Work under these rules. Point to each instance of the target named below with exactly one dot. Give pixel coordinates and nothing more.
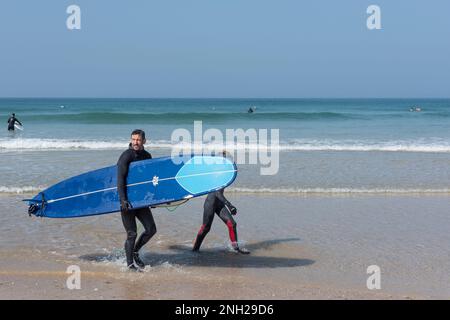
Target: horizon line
(224, 98)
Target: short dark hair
(139, 132)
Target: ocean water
(325, 146)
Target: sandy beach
(303, 247)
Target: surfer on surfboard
(12, 121)
(216, 203)
(135, 152)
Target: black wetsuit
(11, 121)
(129, 217)
(216, 203)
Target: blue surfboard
(150, 182)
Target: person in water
(135, 152)
(12, 121)
(216, 203)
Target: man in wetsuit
(216, 203)
(135, 152)
(11, 121)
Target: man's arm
(122, 173)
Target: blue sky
(228, 48)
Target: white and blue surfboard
(149, 183)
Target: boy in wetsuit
(216, 203)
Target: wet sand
(41, 279)
(311, 247)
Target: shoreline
(327, 192)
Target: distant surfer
(250, 110)
(135, 152)
(216, 203)
(12, 121)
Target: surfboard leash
(175, 207)
(34, 207)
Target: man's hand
(125, 206)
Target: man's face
(137, 143)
